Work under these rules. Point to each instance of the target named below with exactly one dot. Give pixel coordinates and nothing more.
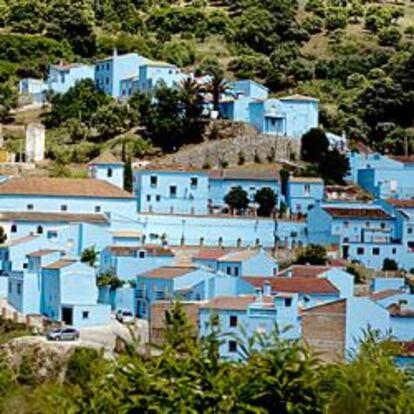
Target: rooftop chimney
(267, 289)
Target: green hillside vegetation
(356, 56)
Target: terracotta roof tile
(401, 203)
(304, 271)
(158, 251)
(396, 311)
(210, 254)
(304, 285)
(170, 168)
(234, 302)
(168, 272)
(42, 252)
(106, 158)
(53, 217)
(305, 180)
(65, 187)
(60, 264)
(257, 174)
(383, 294)
(363, 213)
(20, 240)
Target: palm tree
(190, 93)
(217, 85)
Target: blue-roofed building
(171, 190)
(111, 71)
(33, 88)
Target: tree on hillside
(237, 199)
(314, 145)
(334, 166)
(8, 100)
(217, 86)
(80, 102)
(266, 198)
(314, 254)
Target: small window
(394, 250)
(30, 206)
(232, 346)
(85, 315)
(19, 289)
(154, 180)
(13, 228)
(39, 230)
(288, 302)
(376, 251)
(64, 207)
(158, 198)
(410, 230)
(173, 191)
(307, 189)
(194, 182)
(346, 224)
(25, 265)
(141, 255)
(52, 234)
(360, 250)
(109, 172)
(236, 271)
(228, 270)
(148, 197)
(383, 225)
(97, 209)
(233, 321)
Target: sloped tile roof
(401, 203)
(150, 249)
(234, 302)
(210, 254)
(20, 240)
(42, 252)
(53, 217)
(304, 285)
(383, 294)
(106, 158)
(363, 213)
(168, 272)
(305, 180)
(60, 264)
(69, 187)
(304, 271)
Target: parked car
(64, 334)
(124, 316)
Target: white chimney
(35, 143)
(267, 288)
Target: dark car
(64, 334)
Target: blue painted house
(303, 193)
(171, 190)
(152, 73)
(222, 181)
(127, 262)
(252, 314)
(70, 294)
(335, 329)
(110, 72)
(290, 116)
(108, 168)
(62, 77)
(247, 87)
(343, 223)
(67, 195)
(248, 262)
(25, 286)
